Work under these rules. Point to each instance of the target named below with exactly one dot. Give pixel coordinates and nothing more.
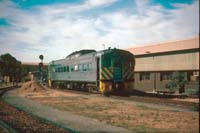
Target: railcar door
(97, 72)
(117, 69)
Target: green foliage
(177, 82)
(9, 66)
(193, 91)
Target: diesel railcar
(107, 71)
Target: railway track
(16, 120)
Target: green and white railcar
(105, 71)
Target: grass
(142, 106)
(139, 118)
(145, 107)
(144, 129)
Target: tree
(177, 82)
(9, 66)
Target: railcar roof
(82, 52)
(111, 50)
(90, 51)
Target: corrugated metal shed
(192, 43)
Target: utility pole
(103, 46)
(41, 57)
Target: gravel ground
(23, 122)
(3, 129)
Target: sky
(56, 28)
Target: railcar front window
(117, 63)
(106, 62)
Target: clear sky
(55, 28)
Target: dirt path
(20, 121)
(16, 120)
(63, 118)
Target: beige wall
(155, 82)
(179, 61)
(144, 85)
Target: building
(32, 70)
(156, 63)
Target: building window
(189, 75)
(165, 76)
(144, 76)
(196, 73)
(194, 76)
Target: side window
(67, 68)
(59, 69)
(72, 68)
(130, 64)
(62, 69)
(76, 67)
(80, 67)
(84, 67)
(89, 66)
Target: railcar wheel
(106, 92)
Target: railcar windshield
(116, 63)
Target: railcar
(106, 71)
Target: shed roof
(192, 43)
(33, 63)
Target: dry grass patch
(134, 117)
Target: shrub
(177, 82)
